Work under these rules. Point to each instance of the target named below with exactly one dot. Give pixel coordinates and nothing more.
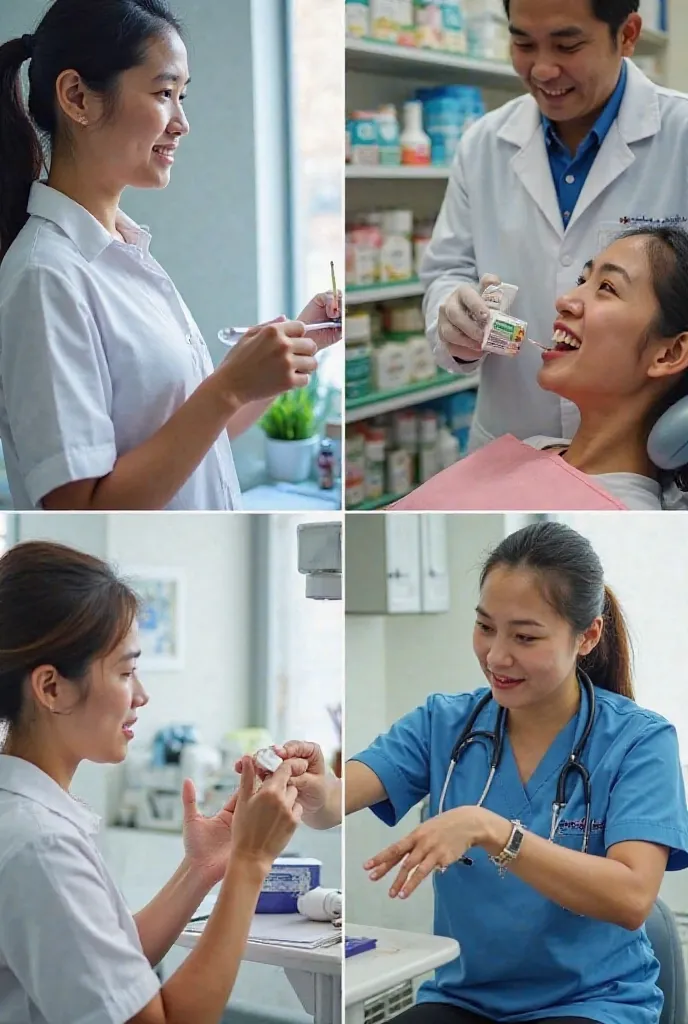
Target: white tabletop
(398, 957)
(327, 960)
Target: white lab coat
(501, 215)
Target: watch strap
(512, 848)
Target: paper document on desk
(289, 930)
(294, 931)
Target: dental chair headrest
(667, 445)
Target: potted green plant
(290, 426)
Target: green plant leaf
(292, 417)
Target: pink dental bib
(510, 476)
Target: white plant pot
(291, 461)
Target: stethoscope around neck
(495, 740)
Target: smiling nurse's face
(135, 144)
(526, 650)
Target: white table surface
(314, 974)
(399, 956)
(327, 960)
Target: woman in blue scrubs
(546, 931)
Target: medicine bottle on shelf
(415, 143)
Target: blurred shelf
(395, 171)
(356, 295)
(373, 56)
(378, 402)
(370, 506)
(652, 41)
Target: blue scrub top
(523, 956)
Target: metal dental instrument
(230, 335)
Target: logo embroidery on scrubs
(577, 827)
(670, 222)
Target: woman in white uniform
(108, 396)
(70, 950)
(549, 910)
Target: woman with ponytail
(550, 922)
(108, 396)
(71, 952)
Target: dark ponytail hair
(58, 607)
(97, 38)
(572, 581)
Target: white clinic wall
(392, 663)
(213, 554)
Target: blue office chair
(664, 939)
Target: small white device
(320, 559)
(267, 759)
(321, 904)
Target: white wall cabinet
(396, 564)
(434, 579)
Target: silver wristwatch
(512, 848)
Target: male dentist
(542, 184)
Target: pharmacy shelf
(375, 57)
(356, 295)
(379, 58)
(395, 171)
(651, 42)
(374, 503)
(380, 402)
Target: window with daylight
(316, 56)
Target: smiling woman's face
(134, 144)
(605, 351)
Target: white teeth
(558, 92)
(561, 337)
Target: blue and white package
(289, 878)
(448, 112)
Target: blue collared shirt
(570, 172)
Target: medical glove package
(504, 334)
(289, 878)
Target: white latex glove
(463, 318)
(323, 306)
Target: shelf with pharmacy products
(377, 403)
(371, 504)
(407, 172)
(358, 295)
(375, 57)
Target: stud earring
(82, 119)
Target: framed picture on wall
(161, 616)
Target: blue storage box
(289, 878)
